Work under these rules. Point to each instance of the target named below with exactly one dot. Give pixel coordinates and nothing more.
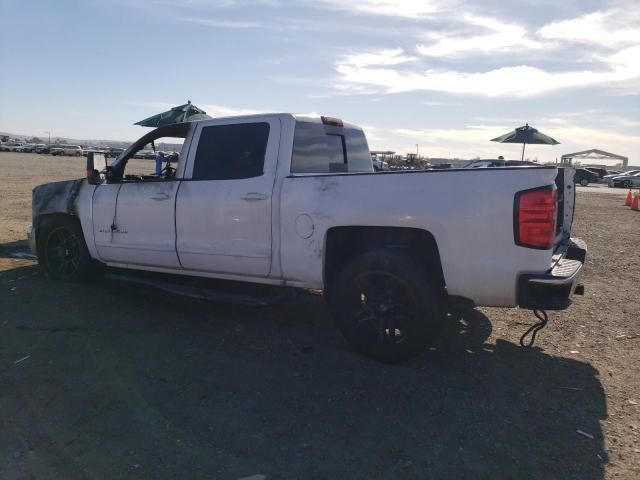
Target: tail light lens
(535, 217)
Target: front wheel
(627, 184)
(62, 252)
(387, 306)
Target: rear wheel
(584, 182)
(386, 306)
(627, 184)
(62, 252)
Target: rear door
(224, 205)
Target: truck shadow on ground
(129, 382)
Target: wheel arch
(345, 242)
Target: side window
(315, 151)
(227, 152)
(318, 148)
(359, 156)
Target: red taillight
(336, 122)
(535, 217)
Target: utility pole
(49, 133)
(417, 152)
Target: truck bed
(469, 212)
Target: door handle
(253, 197)
(159, 197)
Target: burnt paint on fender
(56, 197)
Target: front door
(134, 223)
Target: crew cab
(293, 201)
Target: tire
(386, 306)
(62, 251)
(584, 182)
(627, 184)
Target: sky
(446, 76)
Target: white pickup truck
(293, 201)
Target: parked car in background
(10, 146)
(39, 146)
(630, 180)
(600, 172)
(145, 154)
(27, 148)
(71, 150)
(379, 164)
(617, 174)
(113, 152)
(584, 177)
(42, 149)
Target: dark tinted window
(315, 151)
(231, 151)
(336, 149)
(319, 148)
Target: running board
(260, 299)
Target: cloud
(394, 8)
(500, 37)
(612, 28)
(226, 111)
(413, 9)
(211, 109)
(377, 57)
(474, 140)
(433, 103)
(521, 80)
(220, 23)
(394, 70)
(471, 134)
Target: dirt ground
(104, 380)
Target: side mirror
(96, 163)
(93, 176)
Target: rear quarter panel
(469, 213)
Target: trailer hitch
(534, 329)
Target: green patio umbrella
(524, 135)
(179, 114)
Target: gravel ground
(107, 381)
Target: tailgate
(553, 289)
(566, 203)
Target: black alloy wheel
(387, 306)
(62, 253)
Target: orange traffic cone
(634, 202)
(627, 202)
